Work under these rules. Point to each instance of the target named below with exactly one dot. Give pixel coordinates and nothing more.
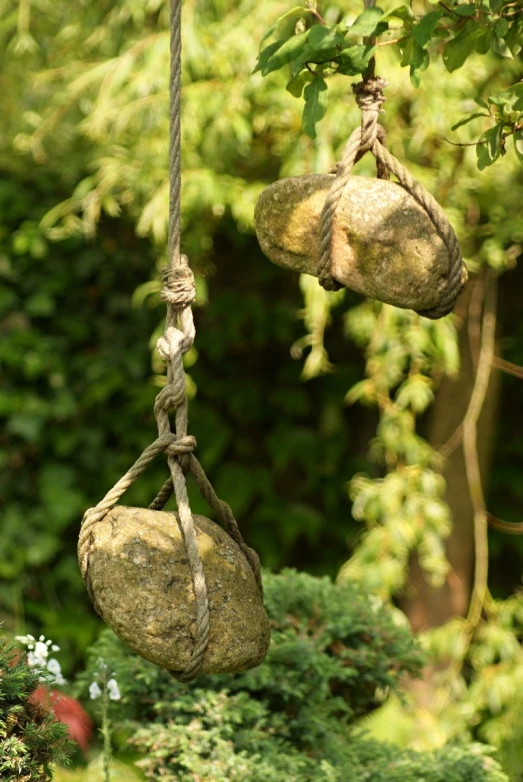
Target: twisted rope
(370, 137)
(179, 293)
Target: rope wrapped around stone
(179, 293)
(370, 137)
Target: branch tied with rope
(179, 293)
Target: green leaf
(489, 146)
(266, 54)
(418, 59)
(495, 5)
(322, 41)
(355, 60)
(461, 46)
(315, 104)
(518, 144)
(469, 118)
(465, 9)
(403, 12)
(510, 100)
(297, 83)
(422, 31)
(501, 27)
(367, 22)
(483, 41)
(289, 51)
(514, 37)
(285, 25)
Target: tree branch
(470, 452)
(508, 367)
(510, 527)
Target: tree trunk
(425, 606)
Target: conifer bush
(31, 739)
(335, 654)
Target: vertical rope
(175, 166)
(179, 335)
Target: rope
(370, 137)
(179, 293)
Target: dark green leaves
(314, 51)
(422, 32)
(418, 59)
(277, 55)
(315, 104)
(368, 23)
(468, 40)
(355, 60)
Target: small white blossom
(53, 666)
(94, 691)
(38, 657)
(113, 690)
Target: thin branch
(508, 367)
(474, 315)
(388, 43)
(474, 318)
(450, 10)
(470, 452)
(461, 143)
(509, 527)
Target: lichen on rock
(142, 588)
(384, 245)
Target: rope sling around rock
(387, 241)
(370, 137)
(120, 545)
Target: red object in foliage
(69, 711)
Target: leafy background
(83, 211)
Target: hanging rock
(142, 587)
(384, 245)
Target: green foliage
(84, 137)
(406, 512)
(333, 649)
(30, 738)
(333, 656)
(315, 48)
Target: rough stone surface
(142, 588)
(384, 244)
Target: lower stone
(142, 588)
(384, 244)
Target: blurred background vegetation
(313, 412)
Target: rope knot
(170, 346)
(370, 99)
(369, 94)
(181, 445)
(178, 284)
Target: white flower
(53, 666)
(38, 657)
(112, 688)
(94, 691)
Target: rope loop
(370, 136)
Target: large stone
(384, 245)
(142, 588)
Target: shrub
(334, 655)
(30, 737)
